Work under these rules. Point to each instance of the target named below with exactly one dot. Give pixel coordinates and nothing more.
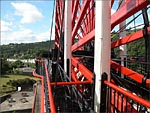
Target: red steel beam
(93, 10)
(74, 13)
(57, 27)
(81, 16)
(85, 26)
(112, 2)
(129, 94)
(89, 19)
(83, 31)
(51, 100)
(56, 34)
(88, 74)
(56, 42)
(61, 3)
(58, 14)
(129, 73)
(73, 5)
(129, 8)
(91, 15)
(127, 39)
(84, 40)
(70, 83)
(78, 35)
(73, 75)
(86, 22)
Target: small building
(25, 70)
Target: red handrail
(70, 83)
(33, 104)
(129, 94)
(51, 100)
(42, 90)
(130, 73)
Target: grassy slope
(6, 78)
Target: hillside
(31, 50)
(25, 50)
(134, 49)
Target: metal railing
(42, 90)
(136, 64)
(34, 101)
(42, 73)
(119, 99)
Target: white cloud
(43, 36)
(23, 35)
(5, 26)
(29, 12)
(20, 36)
(113, 11)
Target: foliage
(21, 82)
(25, 50)
(8, 67)
(5, 66)
(4, 82)
(16, 72)
(32, 65)
(134, 49)
(17, 64)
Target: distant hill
(31, 50)
(134, 49)
(25, 50)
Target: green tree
(17, 64)
(5, 67)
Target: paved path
(19, 102)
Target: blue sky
(138, 21)
(25, 21)
(29, 21)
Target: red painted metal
(129, 8)
(130, 38)
(82, 13)
(58, 13)
(129, 94)
(70, 83)
(79, 37)
(74, 78)
(57, 29)
(74, 13)
(129, 73)
(60, 3)
(83, 28)
(88, 74)
(148, 30)
(35, 92)
(92, 16)
(42, 89)
(51, 100)
(42, 95)
(73, 75)
(84, 40)
(118, 102)
(112, 2)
